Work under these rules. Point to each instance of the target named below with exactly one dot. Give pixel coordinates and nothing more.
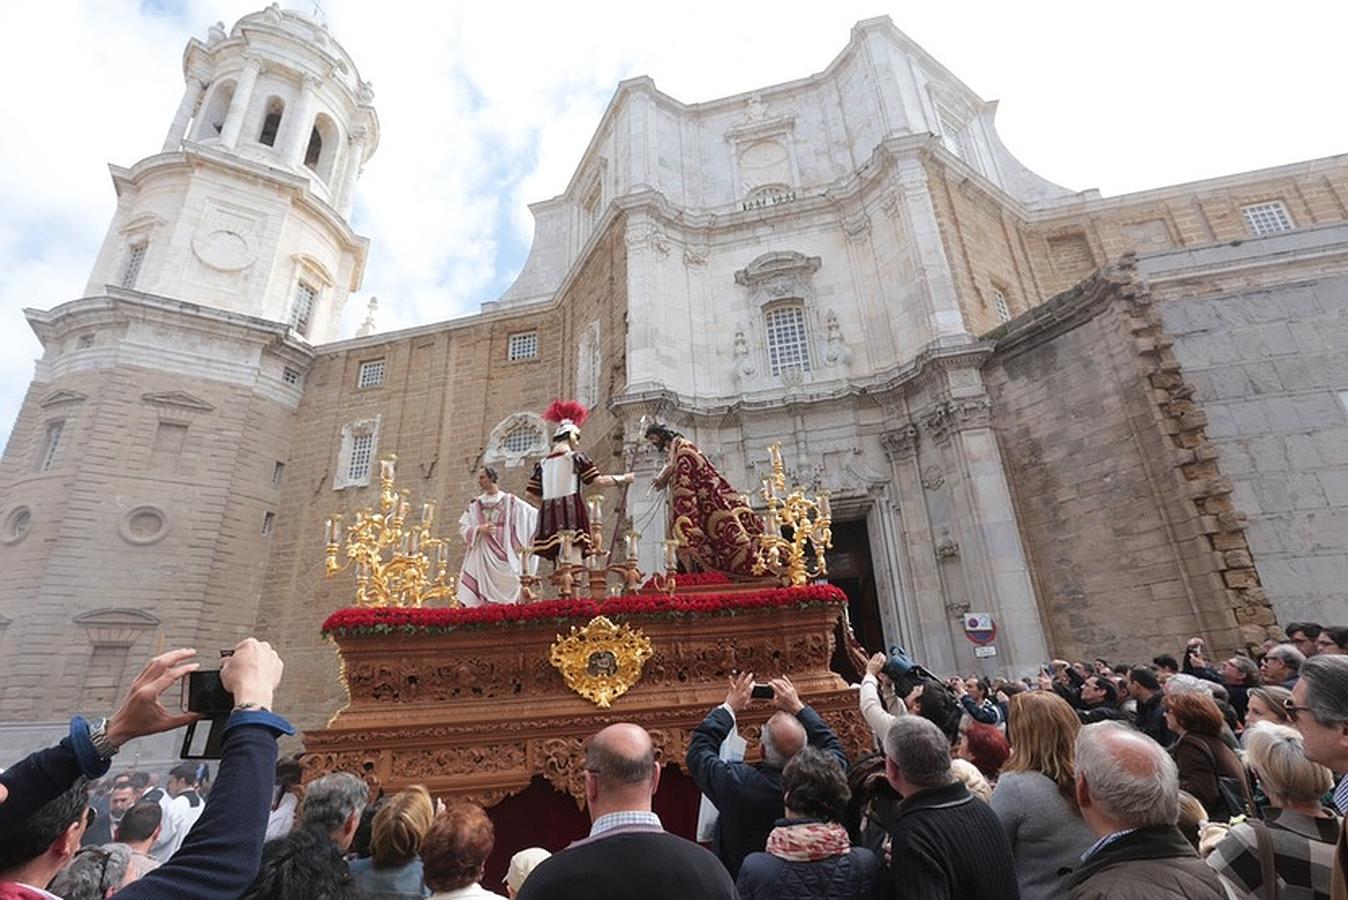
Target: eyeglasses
(104, 858)
(1290, 707)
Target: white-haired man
(1319, 708)
(1128, 789)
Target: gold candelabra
(392, 556)
(810, 522)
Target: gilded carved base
(477, 714)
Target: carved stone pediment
(779, 275)
(58, 397)
(177, 399)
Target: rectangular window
(51, 445)
(268, 523)
(591, 207)
(999, 304)
(362, 455)
(131, 270)
(952, 134)
(305, 295)
(169, 439)
(788, 347)
(522, 346)
(371, 374)
(277, 472)
(103, 680)
(1267, 218)
(290, 376)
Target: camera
(904, 673)
(204, 693)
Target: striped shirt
(1105, 842)
(1341, 796)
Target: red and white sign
(979, 628)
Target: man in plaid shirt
(1319, 707)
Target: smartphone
(762, 692)
(204, 693)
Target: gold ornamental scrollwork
(601, 661)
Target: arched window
(271, 123)
(788, 343)
(515, 438)
(315, 150)
(522, 438)
(212, 120)
(321, 154)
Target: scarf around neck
(808, 841)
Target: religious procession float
(486, 687)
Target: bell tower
(141, 484)
(245, 206)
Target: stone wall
(1266, 354)
(446, 388)
(1132, 538)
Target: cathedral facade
(1107, 423)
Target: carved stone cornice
(900, 443)
(950, 416)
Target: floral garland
(692, 579)
(442, 620)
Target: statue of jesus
(497, 527)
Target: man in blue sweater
(44, 804)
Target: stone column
(932, 643)
(985, 540)
(945, 322)
(187, 107)
(300, 124)
(355, 158)
(238, 105)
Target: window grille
(268, 523)
(50, 445)
(522, 346)
(371, 374)
(1267, 218)
(788, 347)
(277, 471)
(134, 257)
(522, 438)
(999, 304)
(290, 376)
(305, 295)
(952, 135)
(362, 454)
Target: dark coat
(947, 845)
(852, 876)
(748, 798)
(1154, 863)
(1150, 720)
(1201, 760)
(630, 864)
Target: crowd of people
(1186, 777)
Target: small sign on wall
(983, 651)
(980, 628)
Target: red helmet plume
(566, 410)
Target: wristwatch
(98, 736)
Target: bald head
(783, 738)
(621, 758)
(1127, 779)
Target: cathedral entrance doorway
(850, 568)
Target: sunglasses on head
(1290, 707)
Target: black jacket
(948, 845)
(747, 798)
(851, 876)
(630, 864)
(1151, 720)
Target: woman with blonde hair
(1299, 831)
(1267, 704)
(394, 870)
(1035, 796)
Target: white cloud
(485, 107)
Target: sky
(486, 107)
